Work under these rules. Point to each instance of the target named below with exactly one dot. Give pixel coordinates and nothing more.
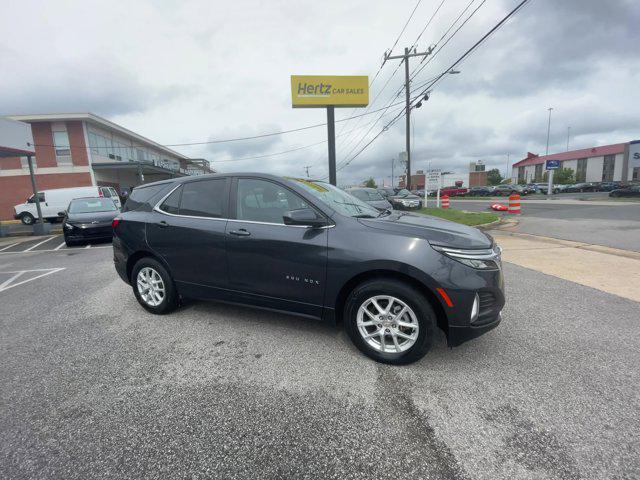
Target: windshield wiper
(386, 211)
(363, 215)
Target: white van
(53, 202)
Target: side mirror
(62, 214)
(303, 216)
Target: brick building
(74, 150)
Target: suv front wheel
(153, 286)
(390, 321)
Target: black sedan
(582, 187)
(405, 200)
(370, 196)
(626, 192)
(481, 191)
(88, 219)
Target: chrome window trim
(159, 210)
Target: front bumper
(459, 334)
(88, 232)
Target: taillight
(115, 222)
(100, 194)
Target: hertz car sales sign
(329, 90)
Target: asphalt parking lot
(92, 386)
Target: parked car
(87, 219)
(451, 191)
(508, 190)
(581, 187)
(297, 245)
(481, 191)
(610, 186)
(532, 188)
(387, 191)
(405, 200)
(631, 191)
(560, 188)
(56, 200)
(370, 196)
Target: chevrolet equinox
(309, 248)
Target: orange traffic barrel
(444, 201)
(514, 203)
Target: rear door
(188, 231)
(272, 264)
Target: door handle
(162, 224)
(240, 233)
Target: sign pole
(550, 185)
(331, 137)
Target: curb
(485, 226)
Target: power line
(439, 77)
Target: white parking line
(46, 272)
(11, 279)
(65, 250)
(60, 246)
(39, 243)
(9, 246)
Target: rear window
(92, 205)
(145, 196)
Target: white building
(618, 162)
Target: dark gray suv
(309, 248)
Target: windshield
(366, 195)
(338, 200)
(403, 193)
(91, 205)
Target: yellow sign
(326, 90)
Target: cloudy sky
(191, 71)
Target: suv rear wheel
(153, 286)
(390, 321)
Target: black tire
(70, 243)
(170, 300)
(27, 219)
(410, 296)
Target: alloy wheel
(387, 324)
(150, 286)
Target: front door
(272, 264)
(189, 234)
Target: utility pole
(550, 172)
(506, 175)
(392, 160)
(568, 134)
(405, 58)
(548, 130)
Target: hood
(379, 204)
(435, 230)
(408, 197)
(100, 217)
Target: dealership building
(74, 150)
(607, 163)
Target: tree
(370, 183)
(494, 177)
(562, 176)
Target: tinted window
(106, 192)
(143, 195)
(172, 203)
(263, 201)
(206, 198)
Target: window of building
(635, 173)
(24, 163)
(61, 142)
(521, 175)
(204, 198)
(538, 172)
(581, 170)
(93, 143)
(263, 201)
(607, 168)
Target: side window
(106, 192)
(141, 195)
(205, 198)
(264, 201)
(172, 202)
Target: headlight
(481, 259)
(68, 227)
